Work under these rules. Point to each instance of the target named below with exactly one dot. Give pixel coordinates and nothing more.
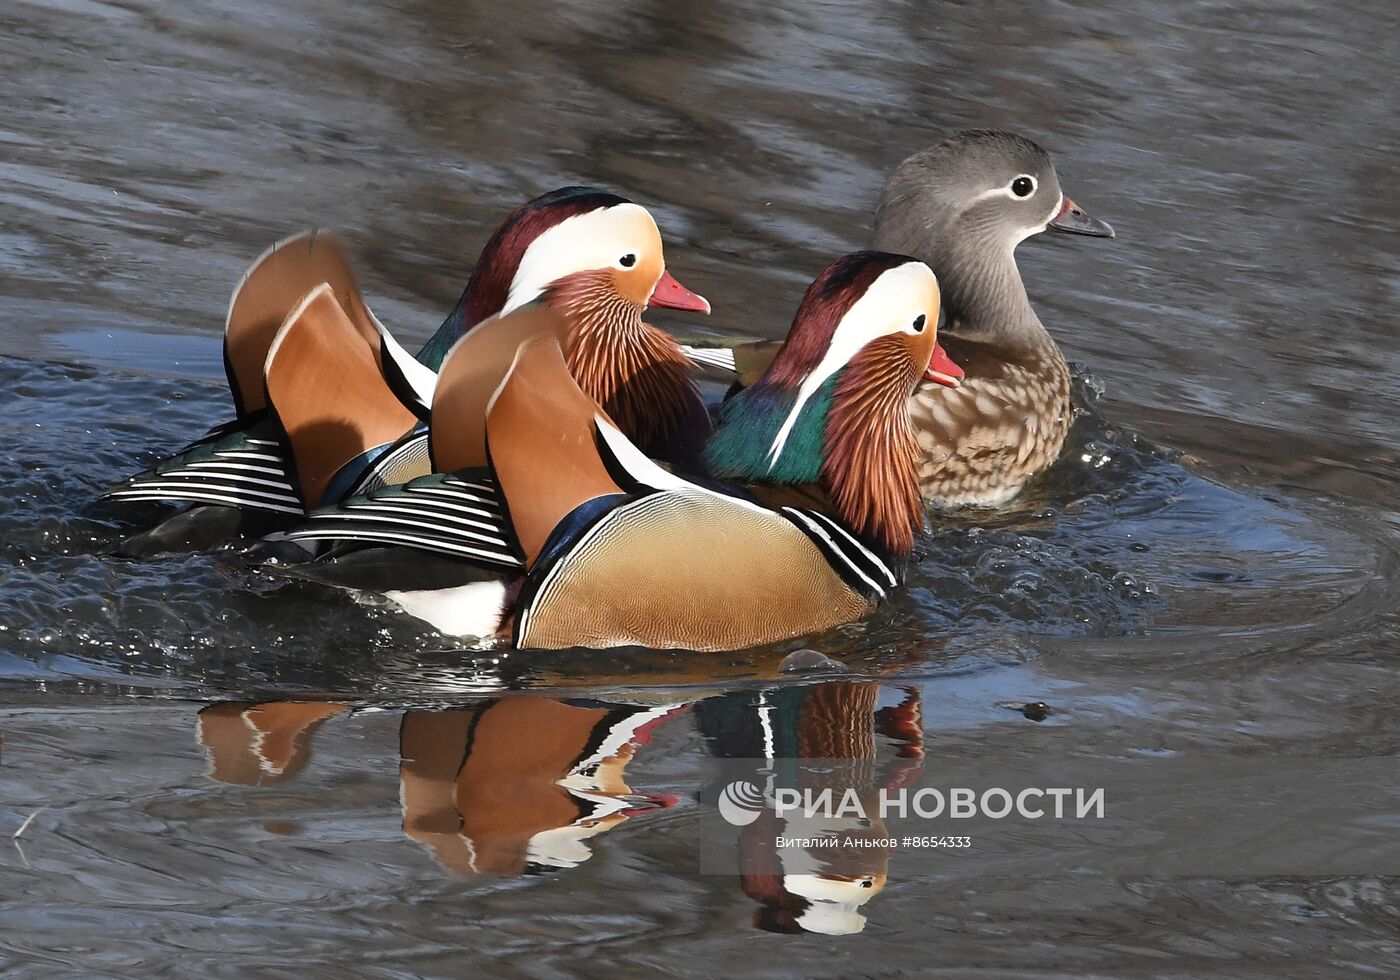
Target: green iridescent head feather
(749, 425)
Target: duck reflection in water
(817, 889)
(515, 785)
(250, 744)
(518, 784)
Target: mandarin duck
(589, 252)
(537, 480)
(962, 207)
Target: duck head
(597, 258)
(832, 408)
(561, 240)
(963, 206)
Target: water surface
(1208, 574)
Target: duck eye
(1023, 186)
(628, 260)
(919, 322)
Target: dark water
(1230, 598)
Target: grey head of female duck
(962, 207)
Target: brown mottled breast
(980, 443)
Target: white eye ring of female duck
(1009, 190)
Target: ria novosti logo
(740, 803)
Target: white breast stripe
(874, 558)
(821, 532)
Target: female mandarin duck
(591, 253)
(607, 539)
(963, 207)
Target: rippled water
(1208, 574)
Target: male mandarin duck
(607, 540)
(589, 252)
(963, 207)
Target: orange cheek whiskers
(870, 446)
(636, 372)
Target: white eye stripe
(595, 240)
(1006, 191)
(888, 306)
